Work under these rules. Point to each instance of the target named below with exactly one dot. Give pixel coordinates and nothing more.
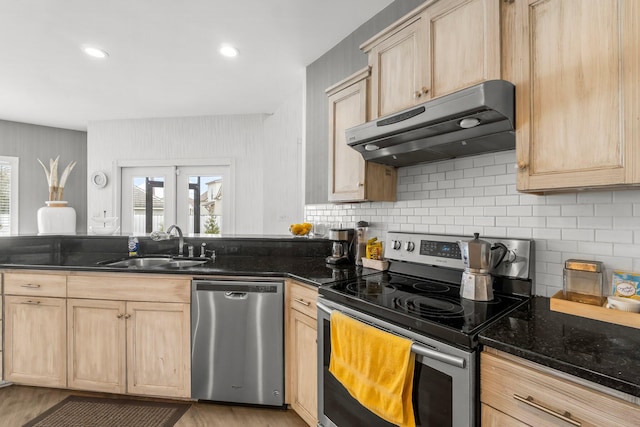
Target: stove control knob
(409, 246)
(396, 245)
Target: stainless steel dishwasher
(237, 345)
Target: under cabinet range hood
(475, 120)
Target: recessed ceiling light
(95, 52)
(228, 51)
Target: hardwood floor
(19, 404)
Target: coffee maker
(477, 283)
(342, 246)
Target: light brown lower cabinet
(516, 392)
(35, 341)
(142, 347)
(301, 351)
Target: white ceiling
(163, 59)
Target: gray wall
(32, 142)
(341, 61)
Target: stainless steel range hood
(475, 120)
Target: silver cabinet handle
(120, 316)
(32, 302)
(30, 285)
(127, 316)
(303, 302)
(564, 417)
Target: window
(8, 195)
(155, 197)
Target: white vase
(56, 218)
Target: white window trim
(14, 162)
(230, 188)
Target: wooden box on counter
(559, 303)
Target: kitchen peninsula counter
(600, 352)
(255, 256)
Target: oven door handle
(418, 349)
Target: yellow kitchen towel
(375, 367)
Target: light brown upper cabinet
(351, 179)
(576, 69)
(438, 48)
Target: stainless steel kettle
(476, 254)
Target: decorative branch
(56, 188)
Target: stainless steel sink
(155, 262)
(182, 263)
(139, 262)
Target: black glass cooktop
(429, 307)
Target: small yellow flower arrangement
(300, 229)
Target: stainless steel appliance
(342, 245)
(237, 347)
(474, 120)
(419, 298)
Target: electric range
(421, 290)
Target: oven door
(445, 383)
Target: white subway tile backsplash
(618, 210)
(546, 233)
(454, 174)
(473, 172)
(474, 192)
(519, 211)
(495, 170)
(533, 222)
(561, 222)
(508, 221)
(628, 222)
(605, 249)
(464, 163)
(495, 190)
(624, 250)
(530, 199)
(478, 194)
(578, 210)
(596, 222)
(614, 236)
(463, 201)
(605, 197)
(580, 235)
(508, 200)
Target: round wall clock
(98, 179)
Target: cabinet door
(303, 366)
(462, 44)
(347, 108)
(577, 93)
(35, 341)
(158, 349)
(96, 345)
(398, 70)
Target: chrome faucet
(180, 237)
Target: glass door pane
(148, 196)
(200, 199)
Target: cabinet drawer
(35, 284)
(143, 287)
(541, 399)
(303, 299)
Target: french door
(153, 198)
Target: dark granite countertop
(603, 353)
(300, 259)
(310, 270)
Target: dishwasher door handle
(236, 295)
